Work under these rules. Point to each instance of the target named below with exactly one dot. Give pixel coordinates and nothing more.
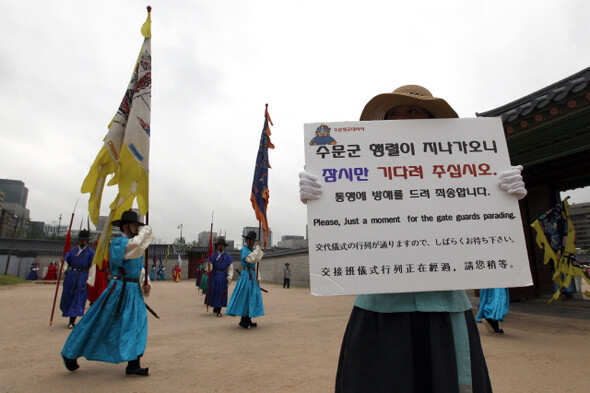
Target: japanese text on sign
(415, 198)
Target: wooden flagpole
(68, 237)
(145, 281)
(258, 263)
(207, 264)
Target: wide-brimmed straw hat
(128, 216)
(378, 106)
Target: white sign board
(412, 205)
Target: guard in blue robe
(199, 275)
(33, 272)
(246, 299)
(153, 272)
(493, 307)
(114, 329)
(222, 272)
(75, 287)
(161, 274)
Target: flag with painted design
(125, 151)
(555, 235)
(260, 194)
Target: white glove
(511, 182)
(91, 275)
(230, 273)
(145, 292)
(136, 246)
(309, 187)
(255, 256)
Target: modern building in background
(8, 223)
(580, 216)
(203, 238)
(14, 191)
(292, 241)
(14, 207)
(36, 230)
(255, 229)
(230, 244)
(55, 230)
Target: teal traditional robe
(246, 299)
(100, 335)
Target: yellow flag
(555, 235)
(125, 151)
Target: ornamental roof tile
(556, 92)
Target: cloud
(65, 66)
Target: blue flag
(259, 197)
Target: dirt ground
(294, 348)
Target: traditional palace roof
(548, 132)
(572, 90)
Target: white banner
(412, 205)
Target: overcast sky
(64, 66)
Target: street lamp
(180, 226)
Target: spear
(66, 249)
(208, 257)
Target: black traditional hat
(83, 235)
(128, 216)
(250, 235)
(221, 240)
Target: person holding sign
(412, 342)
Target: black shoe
(253, 324)
(71, 364)
(245, 325)
(499, 331)
(137, 371)
(488, 325)
(219, 315)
